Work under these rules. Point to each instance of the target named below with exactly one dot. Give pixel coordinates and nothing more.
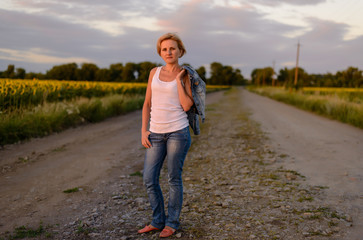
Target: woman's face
(170, 51)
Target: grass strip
(331, 106)
(50, 118)
(71, 190)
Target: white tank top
(167, 114)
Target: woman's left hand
(180, 75)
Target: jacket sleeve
(199, 92)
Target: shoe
(167, 232)
(148, 228)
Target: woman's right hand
(145, 139)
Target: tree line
(130, 72)
(352, 77)
(219, 75)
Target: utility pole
(297, 63)
(273, 73)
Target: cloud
(62, 39)
(324, 47)
(109, 16)
(290, 2)
(26, 31)
(323, 30)
(36, 56)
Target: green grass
(24, 232)
(138, 174)
(291, 172)
(71, 190)
(55, 117)
(83, 229)
(305, 198)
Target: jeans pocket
(155, 137)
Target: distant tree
(9, 73)
(239, 79)
(225, 75)
(284, 76)
(202, 72)
(63, 72)
(116, 72)
(262, 76)
(129, 72)
(316, 80)
(32, 75)
(329, 80)
(103, 75)
(87, 72)
(351, 77)
(20, 73)
(216, 73)
(143, 70)
(287, 77)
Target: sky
(245, 34)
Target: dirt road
(35, 173)
(98, 159)
(327, 152)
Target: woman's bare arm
(146, 109)
(184, 90)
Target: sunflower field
(25, 94)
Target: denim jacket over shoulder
(198, 91)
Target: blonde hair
(174, 37)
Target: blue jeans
(173, 147)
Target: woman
(168, 98)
